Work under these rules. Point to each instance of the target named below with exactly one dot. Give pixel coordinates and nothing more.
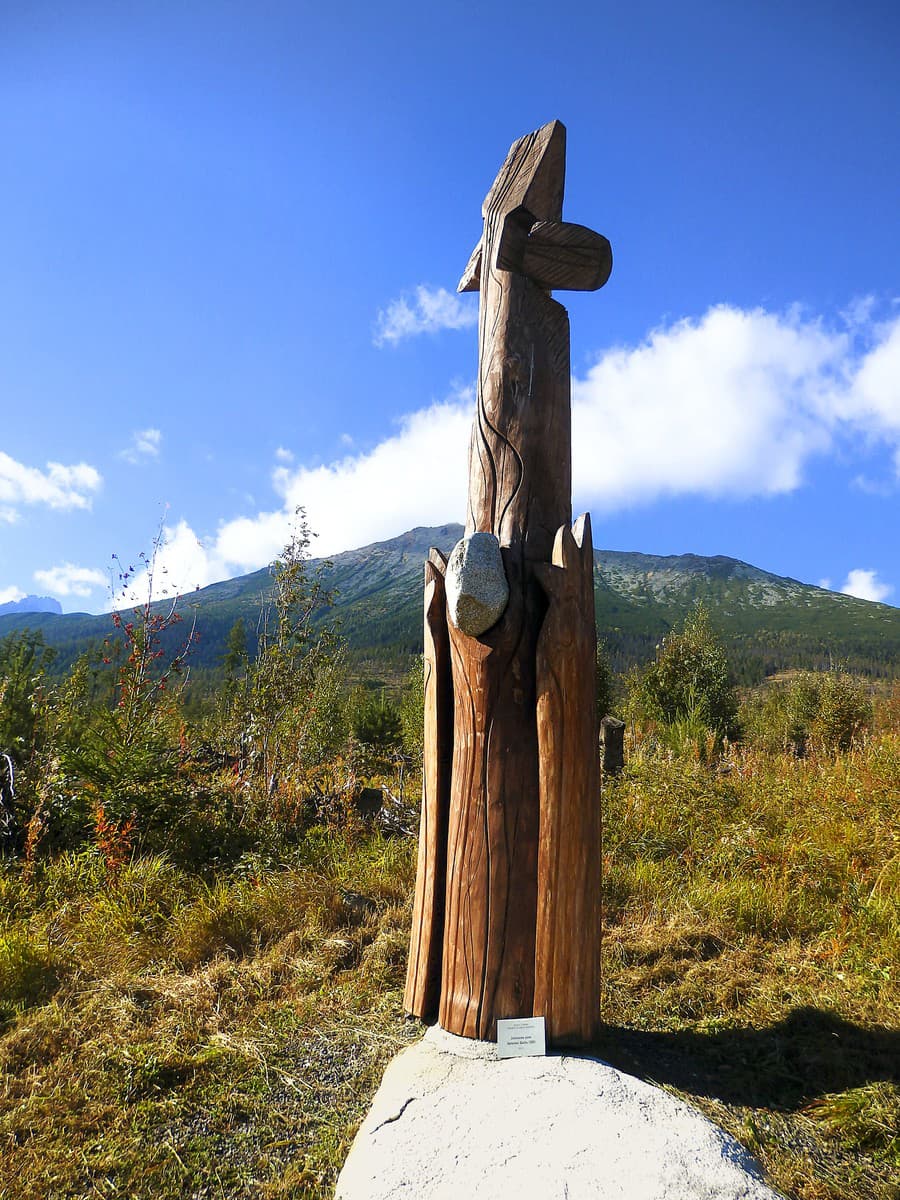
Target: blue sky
(231, 235)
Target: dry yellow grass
(170, 1036)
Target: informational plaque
(521, 1037)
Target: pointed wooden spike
(565, 549)
(470, 281)
(581, 531)
(567, 942)
(558, 553)
(533, 175)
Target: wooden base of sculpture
(513, 826)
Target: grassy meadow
(203, 927)
(167, 1034)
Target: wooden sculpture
(506, 921)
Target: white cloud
(416, 477)
(59, 486)
(825, 583)
(145, 443)
(722, 406)
(866, 585)
(873, 397)
(430, 310)
(10, 594)
(181, 564)
(70, 580)
(733, 404)
(283, 455)
(877, 487)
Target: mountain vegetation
(768, 623)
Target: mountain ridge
(768, 621)
(31, 604)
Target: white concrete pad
(451, 1121)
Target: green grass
(194, 1036)
(170, 1035)
(751, 954)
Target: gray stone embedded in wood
(477, 590)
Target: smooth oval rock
(452, 1121)
(477, 590)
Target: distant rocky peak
(31, 604)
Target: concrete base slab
(451, 1121)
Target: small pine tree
(690, 679)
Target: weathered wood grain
(567, 944)
(488, 969)
(423, 976)
(520, 477)
(554, 254)
(513, 731)
(519, 490)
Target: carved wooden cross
(506, 920)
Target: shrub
(844, 711)
(412, 711)
(828, 710)
(689, 681)
(377, 723)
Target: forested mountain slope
(768, 622)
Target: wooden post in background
(521, 890)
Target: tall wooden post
(520, 921)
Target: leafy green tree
(690, 679)
(24, 698)
(842, 712)
(128, 758)
(377, 723)
(288, 714)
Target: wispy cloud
(180, 564)
(866, 585)
(426, 311)
(349, 502)
(11, 594)
(58, 486)
(145, 444)
(70, 580)
(734, 404)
